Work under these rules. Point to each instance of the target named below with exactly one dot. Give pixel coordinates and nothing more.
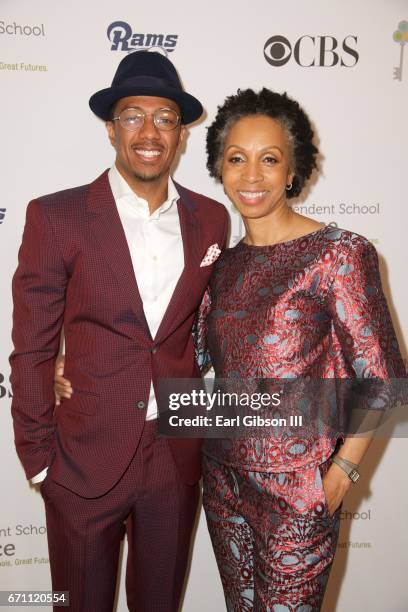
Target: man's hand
(62, 386)
(336, 483)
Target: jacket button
(154, 350)
(141, 405)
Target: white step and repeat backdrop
(344, 61)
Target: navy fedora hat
(146, 73)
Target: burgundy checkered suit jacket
(75, 271)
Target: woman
(292, 299)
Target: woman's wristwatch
(351, 469)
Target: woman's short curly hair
(271, 104)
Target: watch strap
(351, 469)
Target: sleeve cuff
(39, 477)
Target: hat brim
(101, 102)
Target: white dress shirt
(156, 249)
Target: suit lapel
(107, 228)
(191, 236)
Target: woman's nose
(252, 172)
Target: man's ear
(183, 132)
(110, 127)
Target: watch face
(354, 475)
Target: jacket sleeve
(361, 317)
(364, 329)
(39, 286)
(202, 353)
(225, 231)
(200, 334)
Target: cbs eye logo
(308, 51)
(277, 50)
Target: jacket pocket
(83, 402)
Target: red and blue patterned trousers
(272, 535)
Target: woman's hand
(336, 483)
(62, 386)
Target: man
(117, 264)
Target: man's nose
(149, 130)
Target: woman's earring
(289, 187)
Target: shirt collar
(122, 191)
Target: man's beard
(147, 178)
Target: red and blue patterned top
(309, 307)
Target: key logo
(400, 36)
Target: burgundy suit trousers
(156, 509)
